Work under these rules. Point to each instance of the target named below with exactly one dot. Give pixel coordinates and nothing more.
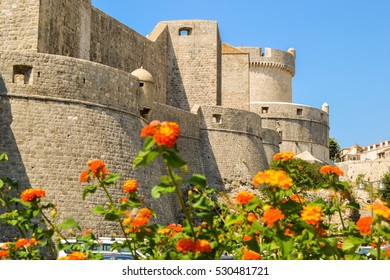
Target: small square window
(185, 31)
(264, 110)
(299, 112)
(22, 74)
(141, 84)
(217, 118)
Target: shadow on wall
(210, 165)
(176, 93)
(13, 168)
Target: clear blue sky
(343, 50)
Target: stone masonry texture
(67, 96)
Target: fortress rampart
(231, 149)
(300, 127)
(76, 84)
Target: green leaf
(3, 156)
(111, 216)
(253, 204)
(353, 205)
(99, 210)
(351, 244)
(233, 218)
(274, 246)
(112, 178)
(89, 189)
(158, 190)
(1, 183)
(202, 203)
(149, 143)
(144, 158)
(198, 180)
(69, 223)
(173, 159)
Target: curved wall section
(68, 78)
(57, 113)
(271, 142)
(301, 127)
(232, 144)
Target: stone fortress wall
(76, 84)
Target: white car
(104, 246)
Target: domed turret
(146, 90)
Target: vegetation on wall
(334, 149)
(385, 193)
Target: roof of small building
(306, 155)
(229, 49)
(143, 75)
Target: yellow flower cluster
(284, 156)
(274, 178)
(380, 209)
(311, 214)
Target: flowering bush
(285, 223)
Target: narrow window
(217, 118)
(264, 110)
(141, 84)
(299, 112)
(185, 31)
(22, 74)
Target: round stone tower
(271, 74)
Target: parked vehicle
(104, 246)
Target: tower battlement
(273, 58)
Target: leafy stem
(181, 200)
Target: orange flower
(272, 215)
(284, 156)
(124, 200)
(21, 243)
(244, 197)
(327, 169)
(98, 168)
(288, 232)
(4, 254)
(74, 256)
(274, 178)
(380, 209)
(188, 245)
(311, 214)
(167, 134)
(364, 225)
(150, 129)
(31, 194)
(202, 245)
(33, 241)
(388, 251)
(250, 255)
(142, 217)
(297, 198)
(87, 231)
(130, 186)
(247, 238)
(251, 217)
(172, 229)
(84, 176)
(185, 245)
